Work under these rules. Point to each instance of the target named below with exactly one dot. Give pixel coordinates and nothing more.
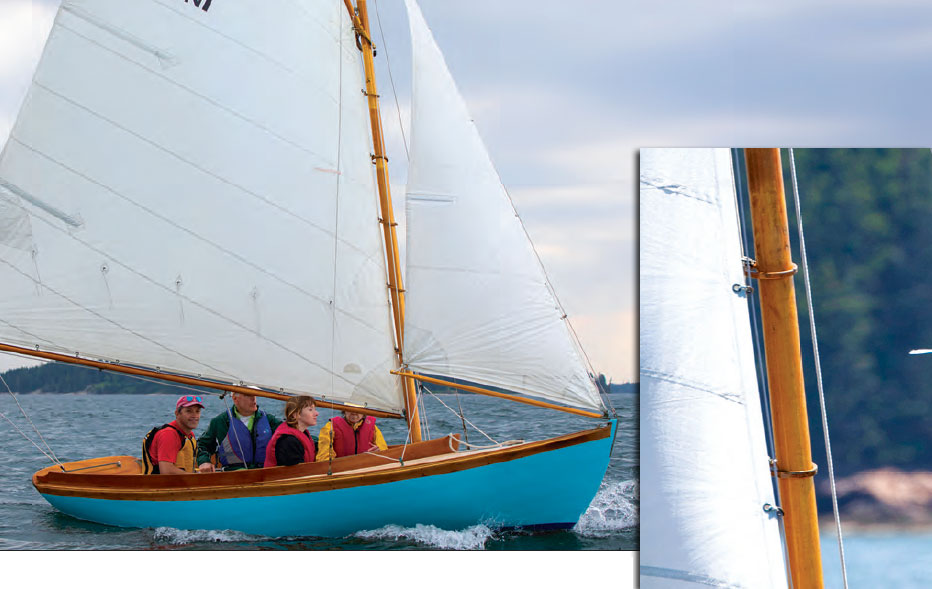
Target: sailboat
(709, 512)
(198, 192)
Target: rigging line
(432, 394)
(22, 433)
(759, 365)
(462, 416)
(818, 366)
(38, 433)
(422, 412)
(391, 79)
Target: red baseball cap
(189, 401)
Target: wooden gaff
(360, 19)
(784, 367)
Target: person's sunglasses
(190, 398)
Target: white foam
(472, 538)
(176, 536)
(613, 509)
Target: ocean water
(889, 558)
(78, 426)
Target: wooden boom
(188, 380)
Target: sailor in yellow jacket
(353, 433)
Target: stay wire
(388, 63)
(51, 452)
(429, 392)
(818, 367)
(758, 347)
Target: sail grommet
(742, 288)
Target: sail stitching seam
(734, 398)
(321, 159)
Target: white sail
(704, 466)
(478, 305)
(189, 187)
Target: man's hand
(206, 467)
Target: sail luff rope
(818, 366)
(391, 79)
(23, 411)
(759, 364)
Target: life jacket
(310, 452)
(243, 446)
(185, 458)
(347, 441)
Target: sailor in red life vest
(292, 443)
(171, 448)
(354, 433)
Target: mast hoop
(770, 275)
(796, 474)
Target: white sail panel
(193, 190)
(478, 305)
(704, 466)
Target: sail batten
(479, 306)
(192, 191)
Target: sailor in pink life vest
(292, 442)
(354, 433)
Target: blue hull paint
(551, 489)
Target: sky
(543, 95)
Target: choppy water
(82, 426)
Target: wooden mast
(360, 18)
(775, 268)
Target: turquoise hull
(549, 489)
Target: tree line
(867, 215)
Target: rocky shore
(883, 497)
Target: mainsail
(465, 241)
(703, 455)
(192, 191)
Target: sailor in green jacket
(242, 445)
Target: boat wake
(472, 538)
(175, 536)
(613, 509)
